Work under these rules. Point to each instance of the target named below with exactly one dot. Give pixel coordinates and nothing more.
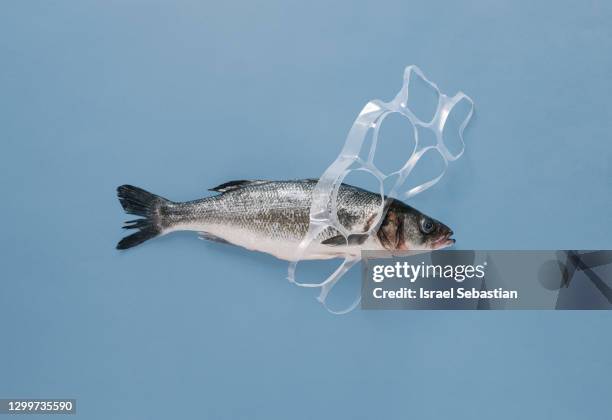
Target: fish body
(274, 217)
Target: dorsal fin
(234, 185)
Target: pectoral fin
(339, 240)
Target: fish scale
(276, 209)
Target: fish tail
(140, 203)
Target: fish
(274, 217)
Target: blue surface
(177, 97)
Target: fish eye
(427, 225)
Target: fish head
(406, 228)
(432, 234)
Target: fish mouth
(444, 241)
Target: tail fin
(140, 203)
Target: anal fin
(207, 236)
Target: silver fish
(274, 216)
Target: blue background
(177, 97)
